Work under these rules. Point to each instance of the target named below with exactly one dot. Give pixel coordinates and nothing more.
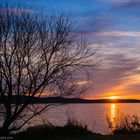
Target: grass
(125, 125)
(68, 133)
(71, 129)
(74, 130)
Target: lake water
(93, 115)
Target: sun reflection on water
(113, 113)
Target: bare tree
(38, 56)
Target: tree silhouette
(38, 56)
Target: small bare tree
(38, 56)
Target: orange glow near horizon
(113, 97)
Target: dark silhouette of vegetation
(71, 129)
(125, 124)
(38, 57)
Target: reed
(124, 124)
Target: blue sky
(115, 26)
(94, 15)
(113, 14)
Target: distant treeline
(46, 100)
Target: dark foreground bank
(84, 137)
(69, 132)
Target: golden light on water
(113, 111)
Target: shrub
(72, 128)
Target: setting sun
(113, 97)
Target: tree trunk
(4, 130)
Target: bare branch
(38, 57)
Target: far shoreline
(61, 100)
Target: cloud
(117, 73)
(112, 15)
(120, 33)
(131, 4)
(92, 20)
(16, 10)
(124, 3)
(114, 23)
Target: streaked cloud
(16, 11)
(118, 73)
(120, 33)
(115, 26)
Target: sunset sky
(115, 26)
